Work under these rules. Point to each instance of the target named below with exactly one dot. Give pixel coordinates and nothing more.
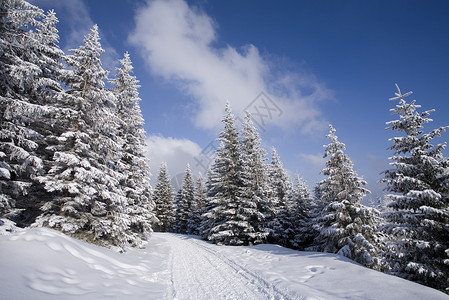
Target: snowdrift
(41, 263)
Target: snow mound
(41, 263)
(8, 227)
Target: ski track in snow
(199, 272)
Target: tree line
(246, 201)
(72, 157)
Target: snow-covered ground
(41, 263)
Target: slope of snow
(41, 263)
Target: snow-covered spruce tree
(280, 183)
(18, 19)
(133, 163)
(164, 199)
(49, 61)
(29, 66)
(345, 226)
(227, 218)
(197, 208)
(85, 178)
(178, 198)
(301, 206)
(184, 203)
(48, 92)
(205, 222)
(17, 142)
(419, 186)
(255, 201)
(305, 240)
(276, 214)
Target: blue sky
(316, 63)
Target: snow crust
(41, 263)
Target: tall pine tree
(345, 226)
(300, 212)
(184, 203)
(228, 217)
(164, 199)
(133, 163)
(277, 209)
(280, 183)
(197, 208)
(255, 193)
(29, 66)
(419, 186)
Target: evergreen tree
(85, 178)
(29, 65)
(276, 214)
(345, 226)
(206, 222)
(164, 198)
(184, 203)
(133, 163)
(300, 214)
(255, 202)
(178, 199)
(197, 208)
(49, 60)
(280, 183)
(227, 219)
(419, 186)
(49, 93)
(18, 18)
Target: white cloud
(310, 167)
(317, 161)
(177, 41)
(175, 152)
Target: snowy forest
(72, 158)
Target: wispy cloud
(175, 152)
(178, 42)
(315, 160)
(310, 166)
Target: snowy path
(200, 272)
